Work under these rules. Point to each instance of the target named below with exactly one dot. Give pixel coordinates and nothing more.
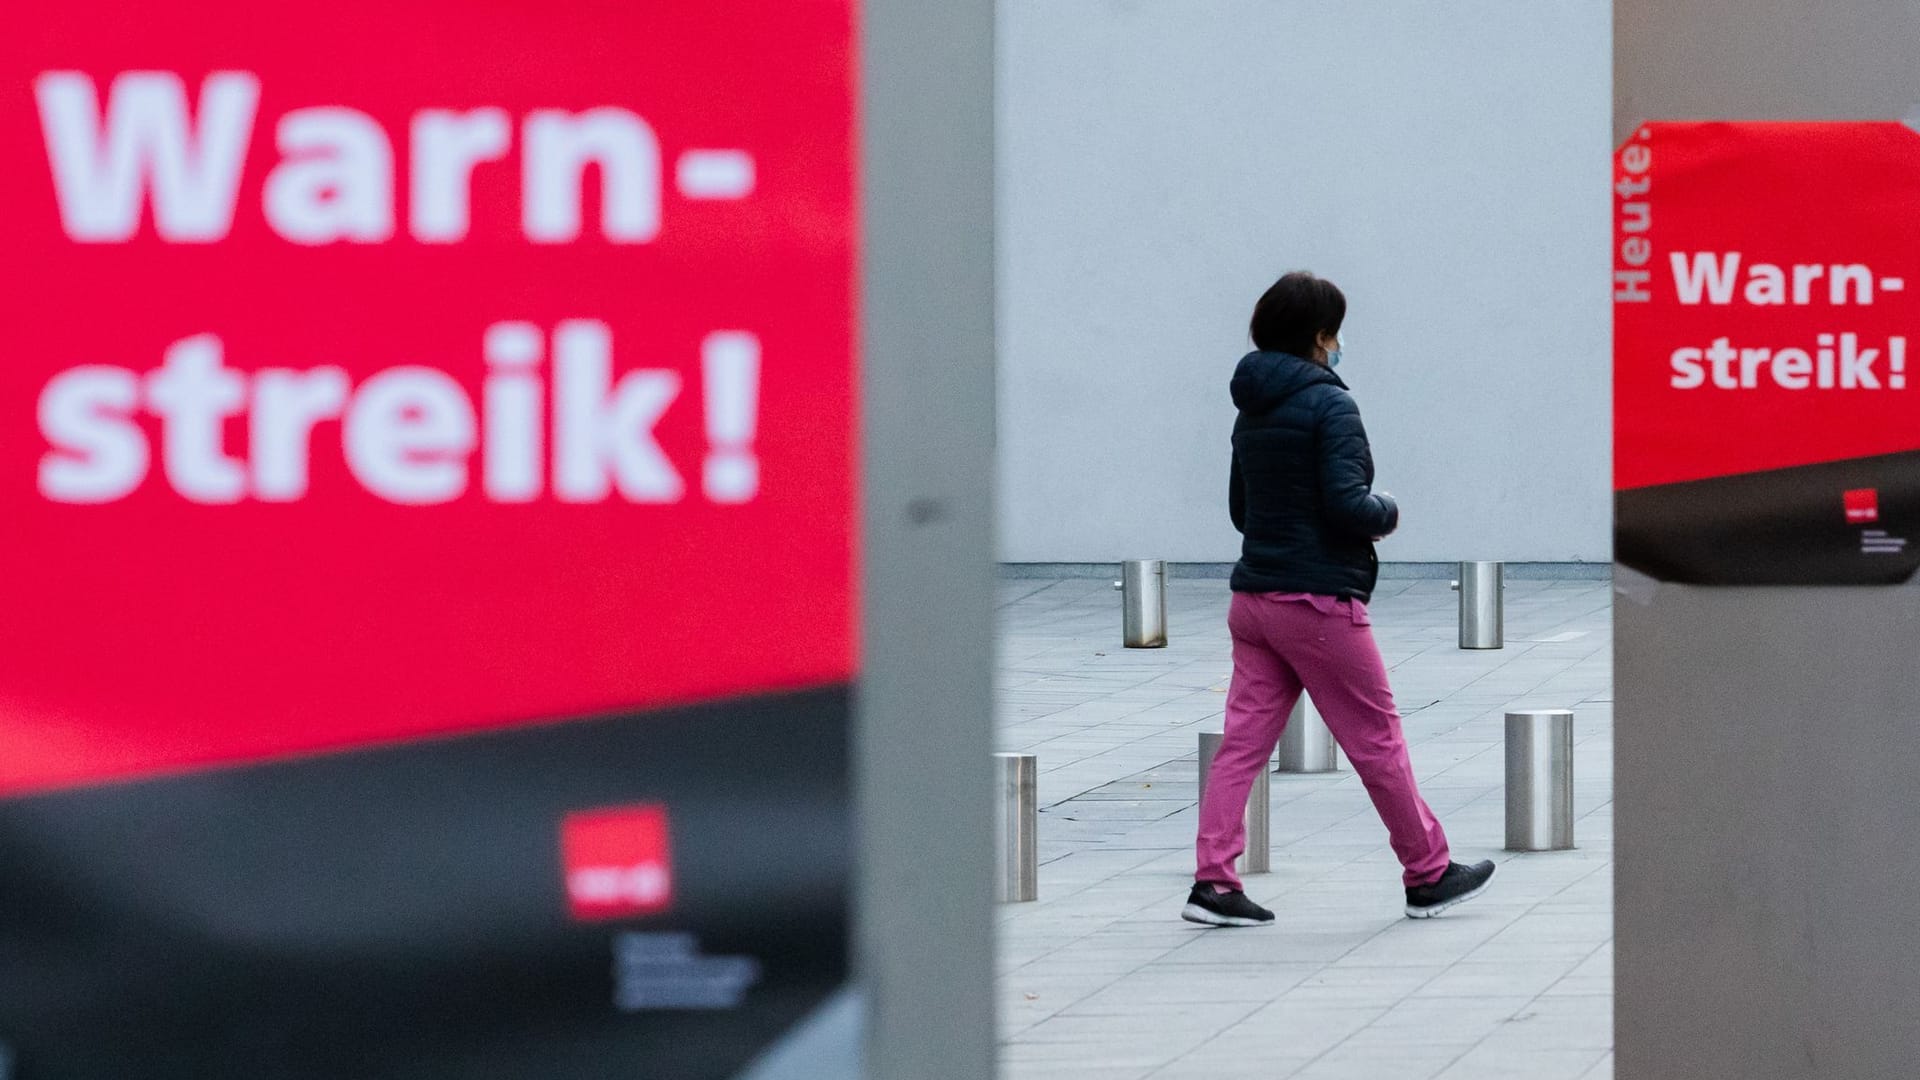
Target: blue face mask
(1333, 359)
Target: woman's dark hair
(1294, 312)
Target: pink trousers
(1281, 643)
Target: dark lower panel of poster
(1854, 522)
(402, 913)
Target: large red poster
(379, 372)
(1767, 416)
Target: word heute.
(408, 433)
(1636, 221)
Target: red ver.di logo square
(1863, 506)
(618, 864)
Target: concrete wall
(1446, 164)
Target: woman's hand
(1388, 495)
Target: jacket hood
(1265, 379)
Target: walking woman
(1301, 496)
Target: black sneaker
(1458, 885)
(1210, 906)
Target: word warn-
(335, 180)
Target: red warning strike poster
(427, 499)
(1766, 291)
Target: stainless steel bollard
(1143, 603)
(1016, 832)
(1258, 858)
(1306, 746)
(1482, 587)
(1540, 780)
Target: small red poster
(1767, 410)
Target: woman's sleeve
(1345, 464)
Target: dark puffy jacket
(1301, 492)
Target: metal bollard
(1016, 830)
(1540, 780)
(1258, 858)
(1143, 603)
(1482, 587)
(1306, 746)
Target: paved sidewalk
(1100, 978)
